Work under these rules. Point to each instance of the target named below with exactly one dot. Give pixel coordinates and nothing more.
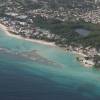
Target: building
(81, 3)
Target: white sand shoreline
(85, 63)
(5, 29)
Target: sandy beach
(85, 63)
(5, 29)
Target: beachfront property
(21, 22)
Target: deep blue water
(62, 78)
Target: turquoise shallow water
(62, 79)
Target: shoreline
(85, 63)
(77, 54)
(6, 30)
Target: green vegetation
(66, 31)
(97, 61)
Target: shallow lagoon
(64, 78)
(82, 32)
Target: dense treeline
(67, 31)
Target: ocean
(31, 71)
